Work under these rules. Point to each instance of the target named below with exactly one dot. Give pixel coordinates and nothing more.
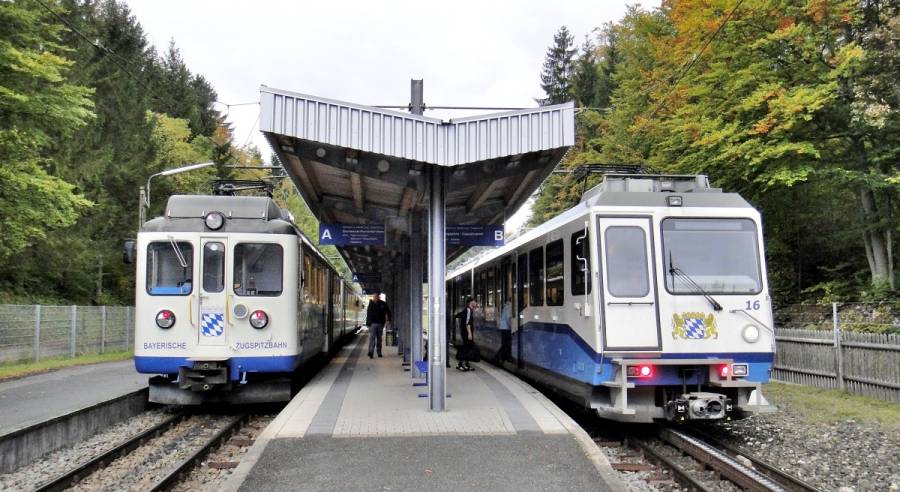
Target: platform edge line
(588, 446)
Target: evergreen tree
(557, 72)
(586, 76)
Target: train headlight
(259, 319)
(165, 319)
(214, 220)
(750, 333)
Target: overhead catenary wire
(689, 64)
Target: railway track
(201, 444)
(711, 461)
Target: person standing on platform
(377, 315)
(505, 353)
(465, 351)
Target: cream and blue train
(648, 300)
(231, 298)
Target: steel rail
(173, 476)
(71, 477)
(786, 480)
(743, 476)
(679, 474)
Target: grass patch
(19, 369)
(833, 405)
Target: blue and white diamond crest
(212, 324)
(694, 328)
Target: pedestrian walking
(377, 314)
(467, 351)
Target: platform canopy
(356, 164)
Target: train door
(520, 273)
(630, 307)
(212, 295)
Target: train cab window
(213, 267)
(169, 269)
(580, 249)
(258, 269)
(536, 277)
(719, 255)
(555, 282)
(626, 262)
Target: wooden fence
(865, 364)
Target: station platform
(360, 424)
(31, 399)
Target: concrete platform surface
(32, 399)
(360, 425)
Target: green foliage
(38, 105)
(792, 104)
(79, 126)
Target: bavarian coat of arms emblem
(694, 326)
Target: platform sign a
(367, 278)
(474, 235)
(351, 234)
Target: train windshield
(720, 255)
(258, 269)
(169, 270)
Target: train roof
(250, 214)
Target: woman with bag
(468, 351)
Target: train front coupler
(699, 405)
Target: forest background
(795, 105)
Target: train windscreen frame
(721, 255)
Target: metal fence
(38, 332)
(861, 363)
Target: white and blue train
(647, 301)
(231, 299)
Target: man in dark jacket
(377, 315)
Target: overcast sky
(472, 53)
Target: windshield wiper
(673, 271)
(179, 256)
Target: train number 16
(754, 305)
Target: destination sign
(474, 235)
(367, 278)
(351, 234)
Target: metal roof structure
(357, 164)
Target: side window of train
(170, 270)
(626, 262)
(489, 299)
(536, 277)
(555, 267)
(258, 269)
(308, 279)
(521, 283)
(581, 268)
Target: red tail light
(640, 371)
(725, 371)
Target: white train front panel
(215, 288)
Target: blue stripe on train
(236, 365)
(557, 348)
